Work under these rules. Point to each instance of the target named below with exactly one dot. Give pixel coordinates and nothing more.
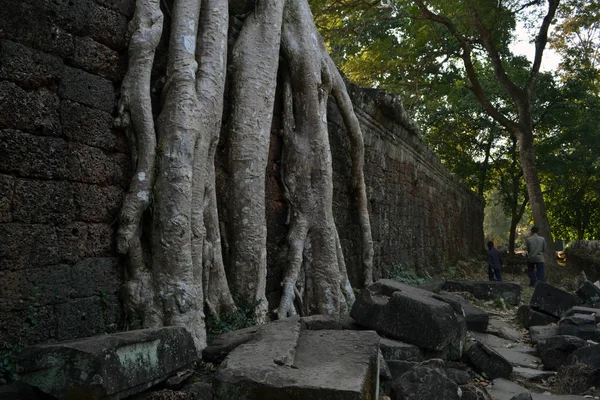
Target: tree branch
(540, 43)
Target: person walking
(536, 247)
(494, 263)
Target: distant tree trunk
(176, 270)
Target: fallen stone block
(589, 293)
(531, 374)
(394, 350)
(581, 325)
(487, 361)
(110, 366)
(486, 290)
(555, 350)
(583, 310)
(427, 380)
(473, 391)
(519, 358)
(411, 315)
(589, 355)
(222, 345)
(398, 368)
(282, 361)
(539, 333)
(528, 317)
(477, 319)
(320, 323)
(384, 371)
(552, 300)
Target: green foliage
(398, 273)
(10, 351)
(242, 317)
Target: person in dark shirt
(494, 263)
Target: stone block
(43, 202)
(552, 300)
(486, 360)
(222, 345)
(125, 7)
(96, 276)
(107, 27)
(531, 374)
(7, 186)
(19, 321)
(109, 366)
(539, 333)
(485, 290)
(409, 314)
(320, 323)
(31, 111)
(91, 165)
(72, 16)
(528, 317)
(427, 380)
(85, 88)
(581, 325)
(555, 350)
(31, 24)
(97, 203)
(96, 59)
(394, 350)
(80, 240)
(589, 293)
(79, 318)
(31, 69)
(33, 156)
(26, 245)
(583, 310)
(589, 355)
(90, 126)
(283, 361)
(38, 286)
(477, 319)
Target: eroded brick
(43, 202)
(89, 126)
(7, 186)
(33, 156)
(28, 67)
(32, 111)
(91, 165)
(25, 245)
(85, 88)
(96, 58)
(81, 240)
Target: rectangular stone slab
(552, 300)
(109, 366)
(486, 290)
(285, 362)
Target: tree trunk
(255, 60)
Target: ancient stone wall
(64, 169)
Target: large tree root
(253, 81)
(314, 245)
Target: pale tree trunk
(255, 59)
(135, 114)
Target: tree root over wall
(178, 273)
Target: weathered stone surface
(200, 390)
(114, 366)
(409, 314)
(33, 156)
(539, 333)
(91, 165)
(473, 391)
(427, 380)
(384, 371)
(585, 255)
(90, 126)
(485, 360)
(555, 350)
(528, 317)
(283, 361)
(531, 374)
(96, 58)
(82, 240)
(519, 358)
(43, 202)
(320, 322)
(7, 191)
(583, 310)
(30, 246)
(504, 330)
(589, 293)
(395, 350)
(522, 396)
(503, 389)
(398, 367)
(85, 88)
(485, 290)
(581, 325)
(552, 300)
(477, 319)
(28, 111)
(31, 69)
(22, 391)
(589, 355)
(95, 203)
(222, 345)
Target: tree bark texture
(176, 269)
